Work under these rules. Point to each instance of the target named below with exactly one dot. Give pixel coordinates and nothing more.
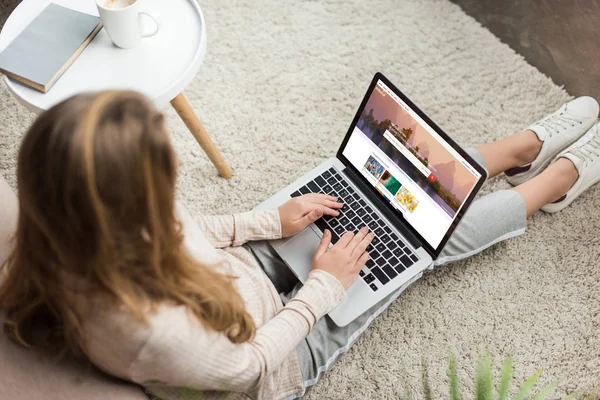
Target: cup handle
(150, 34)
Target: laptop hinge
(382, 206)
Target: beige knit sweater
(174, 356)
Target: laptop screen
(410, 164)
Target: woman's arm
(230, 230)
(181, 353)
(290, 218)
(234, 230)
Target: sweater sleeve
(182, 353)
(234, 230)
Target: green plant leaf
(528, 385)
(505, 377)
(453, 376)
(546, 391)
(483, 379)
(425, 379)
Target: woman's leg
(520, 149)
(502, 215)
(531, 152)
(512, 151)
(548, 186)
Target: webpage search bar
(410, 156)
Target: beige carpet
(279, 87)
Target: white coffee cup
(122, 21)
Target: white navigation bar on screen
(411, 157)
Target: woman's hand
(346, 258)
(299, 212)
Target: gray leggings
(490, 219)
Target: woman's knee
(490, 219)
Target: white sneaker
(557, 131)
(585, 155)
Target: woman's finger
(310, 217)
(362, 260)
(324, 245)
(330, 211)
(307, 208)
(360, 235)
(364, 243)
(344, 240)
(329, 203)
(320, 196)
(323, 199)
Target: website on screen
(410, 164)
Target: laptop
(401, 175)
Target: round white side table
(160, 68)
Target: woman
(106, 264)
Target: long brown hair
(96, 180)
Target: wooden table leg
(189, 117)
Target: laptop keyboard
(389, 255)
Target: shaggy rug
(280, 84)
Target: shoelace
(590, 150)
(563, 120)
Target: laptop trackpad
(299, 252)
